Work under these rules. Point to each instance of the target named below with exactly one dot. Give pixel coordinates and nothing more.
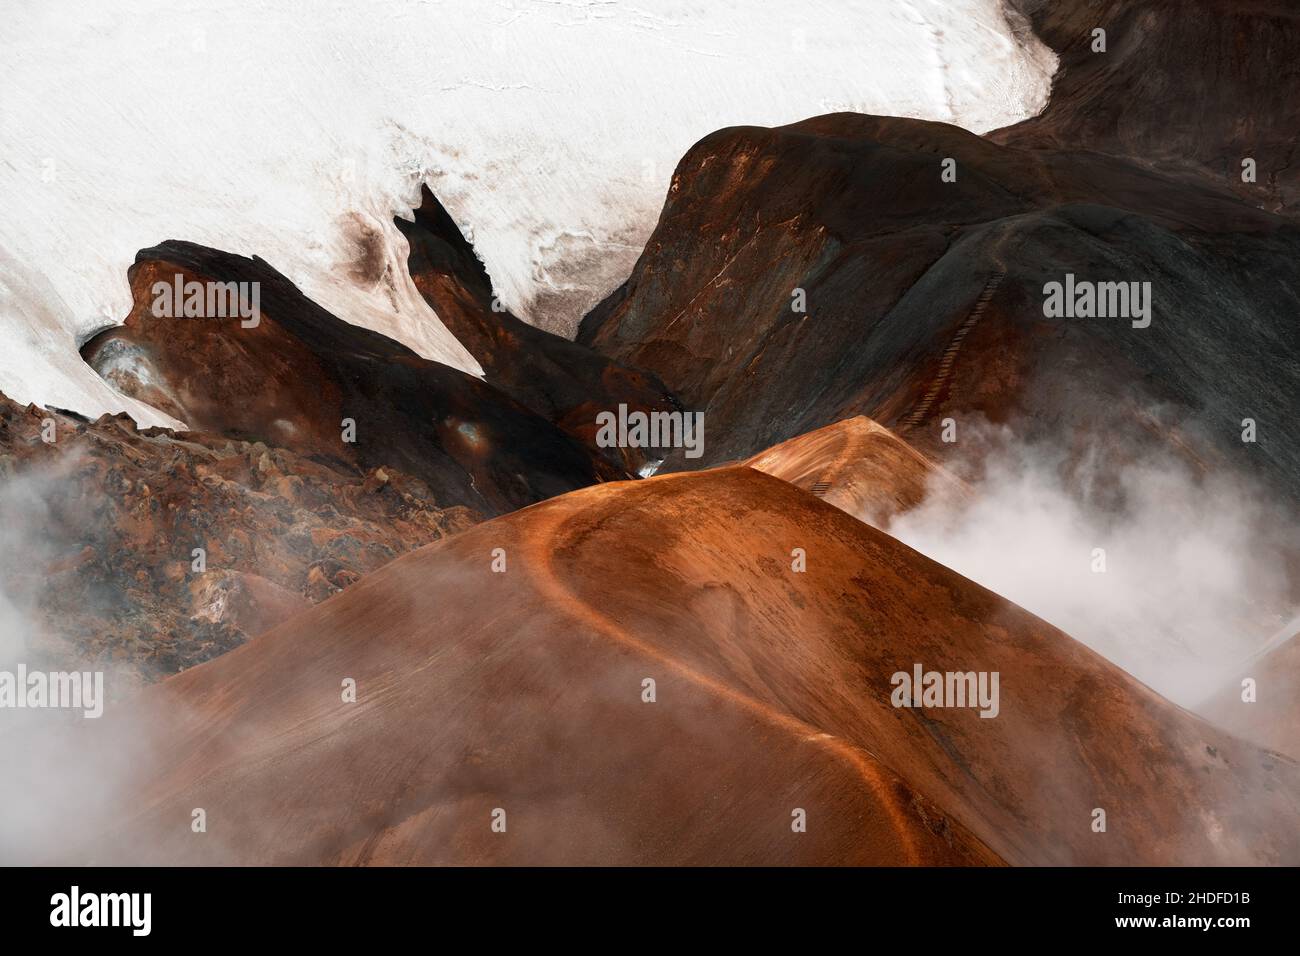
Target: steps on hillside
(922, 408)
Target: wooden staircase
(922, 408)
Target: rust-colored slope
(480, 690)
(1272, 719)
(859, 467)
(522, 691)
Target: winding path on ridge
(549, 533)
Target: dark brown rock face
(300, 374)
(1191, 88)
(924, 299)
(563, 381)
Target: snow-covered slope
(295, 130)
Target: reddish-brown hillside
(859, 467)
(522, 691)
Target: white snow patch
(286, 130)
